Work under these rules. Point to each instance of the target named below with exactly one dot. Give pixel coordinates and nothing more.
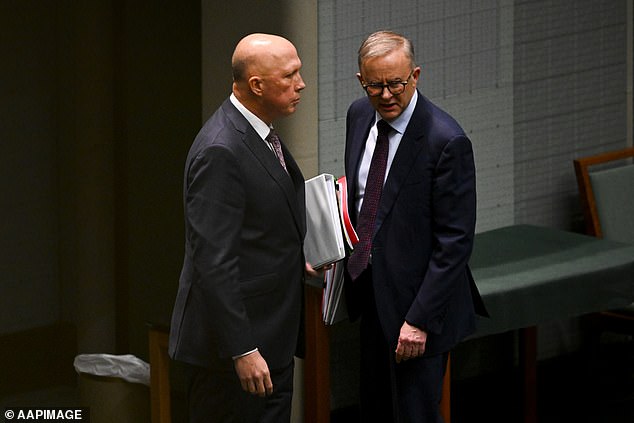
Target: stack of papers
(329, 237)
(333, 307)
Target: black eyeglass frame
(390, 86)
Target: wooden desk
(160, 400)
(527, 275)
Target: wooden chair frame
(588, 203)
(614, 320)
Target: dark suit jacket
(241, 281)
(424, 229)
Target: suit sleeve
(214, 210)
(453, 227)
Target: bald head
(258, 53)
(266, 76)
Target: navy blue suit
(423, 235)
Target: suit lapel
(286, 181)
(405, 157)
(293, 185)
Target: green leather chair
(606, 188)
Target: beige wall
(295, 20)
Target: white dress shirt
(399, 125)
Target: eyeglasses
(394, 87)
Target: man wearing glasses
(411, 176)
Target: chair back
(614, 196)
(606, 188)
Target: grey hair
(381, 43)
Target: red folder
(348, 229)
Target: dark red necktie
(274, 139)
(372, 196)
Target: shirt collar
(260, 127)
(400, 123)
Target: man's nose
(300, 85)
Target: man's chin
(389, 116)
(292, 109)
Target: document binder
(324, 242)
(329, 236)
(348, 229)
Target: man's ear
(416, 75)
(255, 85)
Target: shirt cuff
(245, 354)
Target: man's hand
(254, 374)
(411, 342)
(315, 273)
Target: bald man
(236, 320)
